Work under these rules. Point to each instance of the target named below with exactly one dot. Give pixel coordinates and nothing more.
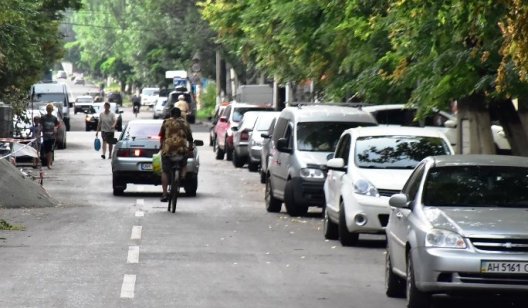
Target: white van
(149, 96)
(46, 92)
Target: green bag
(156, 163)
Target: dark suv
(115, 97)
(172, 98)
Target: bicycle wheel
(175, 188)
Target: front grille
(511, 279)
(387, 192)
(501, 245)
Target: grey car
(256, 140)
(132, 158)
(459, 226)
(242, 135)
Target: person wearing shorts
(50, 124)
(176, 141)
(107, 123)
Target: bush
(208, 101)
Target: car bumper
(255, 152)
(459, 270)
(242, 150)
(365, 214)
(138, 171)
(309, 192)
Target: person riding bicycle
(176, 142)
(136, 104)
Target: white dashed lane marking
(133, 254)
(140, 202)
(140, 213)
(128, 286)
(136, 233)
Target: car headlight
(364, 187)
(312, 173)
(444, 239)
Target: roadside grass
(4, 225)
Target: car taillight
(133, 153)
(244, 135)
(123, 153)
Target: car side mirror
(120, 111)
(450, 123)
(234, 128)
(399, 201)
(283, 145)
(265, 135)
(198, 142)
(337, 164)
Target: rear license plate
(509, 267)
(146, 166)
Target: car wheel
(415, 297)
(191, 185)
(253, 166)
(229, 153)
(292, 207)
(118, 186)
(219, 152)
(262, 177)
(237, 162)
(273, 205)
(394, 285)
(346, 237)
(330, 228)
(213, 143)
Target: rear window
(322, 136)
(142, 131)
(470, 186)
(397, 152)
(264, 122)
(150, 92)
(238, 112)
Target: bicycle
(175, 182)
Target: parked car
(241, 136)
(256, 140)
(304, 136)
(268, 147)
(172, 98)
(92, 116)
(402, 115)
(115, 97)
(149, 96)
(459, 227)
(230, 118)
(132, 158)
(83, 103)
(158, 107)
(58, 93)
(79, 80)
(371, 164)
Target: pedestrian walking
(50, 125)
(107, 124)
(36, 132)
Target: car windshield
(142, 131)
(476, 186)
(396, 152)
(238, 112)
(84, 100)
(264, 122)
(150, 92)
(322, 136)
(50, 97)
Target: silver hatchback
(459, 226)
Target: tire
(229, 154)
(191, 185)
(237, 161)
(253, 166)
(331, 231)
(262, 177)
(394, 285)
(87, 128)
(415, 297)
(293, 207)
(346, 237)
(173, 196)
(118, 186)
(273, 205)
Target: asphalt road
(220, 249)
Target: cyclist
(136, 104)
(176, 141)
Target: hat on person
(181, 98)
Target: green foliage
(208, 99)
(4, 225)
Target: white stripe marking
(133, 254)
(140, 213)
(136, 233)
(128, 286)
(140, 202)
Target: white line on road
(140, 202)
(133, 254)
(140, 213)
(136, 233)
(128, 286)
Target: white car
(158, 108)
(83, 103)
(149, 96)
(402, 115)
(370, 164)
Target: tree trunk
(513, 124)
(474, 127)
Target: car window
(413, 184)
(343, 148)
(142, 130)
(264, 122)
(322, 136)
(238, 112)
(403, 117)
(476, 186)
(288, 135)
(397, 152)
(280, 127)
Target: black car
(115, 97)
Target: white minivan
(52, 92)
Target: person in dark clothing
(50, 124)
